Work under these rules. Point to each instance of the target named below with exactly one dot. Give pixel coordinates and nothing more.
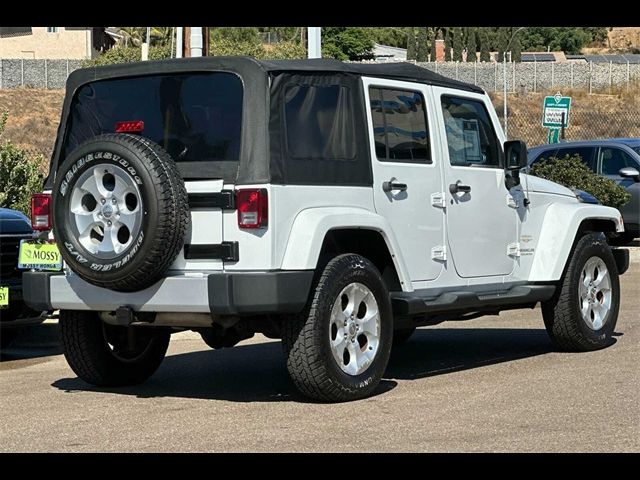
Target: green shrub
(19, 175)
(285, 50)
(225, 47)
(572, 173)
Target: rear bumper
(217, 293)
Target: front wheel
(338, 348)
(582, 314)
(108, 355)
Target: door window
(585, 154)
(470, 135)
(400, 127)
(613, 159)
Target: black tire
(561, 314)
(90, 356)
(7, 335)
(402, 336)
(622, 239)
(163, 208)
(306, 337)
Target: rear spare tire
(120, 211)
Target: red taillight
(133, 126)
(253, 208)
(41, 211)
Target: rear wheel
(582, 314)
(108, 355)
(338, 348)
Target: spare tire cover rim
(105, 210)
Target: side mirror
(515, 154)
(630, 172)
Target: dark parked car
(615, 158)
(14, 226)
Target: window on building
(52, 29)
(399, 125)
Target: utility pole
(315, 47)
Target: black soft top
(262, 160)
(397, 70)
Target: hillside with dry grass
(592, 115)
(34, 115)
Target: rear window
(195, 117)
(319, 122)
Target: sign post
(553, 136)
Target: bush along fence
(520, 77)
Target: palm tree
(161, 35)
(131, 36)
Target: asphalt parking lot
(493, 384)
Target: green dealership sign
(554, 110)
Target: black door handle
(389, 186)
(458, 187)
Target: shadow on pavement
(256, 373)
(33, 341)
(437, 352)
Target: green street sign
(553, 136)
(552, 110)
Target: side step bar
(415, 303)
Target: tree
(347, 43)
(422, 47)
(501, 43)
(411, 43)
(392, 36)
(447, 45)
(485, 53)
(131, 36)
(457, 44)
(516, 48)
(161, 35)
(471, 45)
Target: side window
(613, 159)
(400, 129)
(585, 154)
(544, 156)
(470, 135)
(319, 122)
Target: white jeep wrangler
(335, 206)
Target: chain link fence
(591, 117)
